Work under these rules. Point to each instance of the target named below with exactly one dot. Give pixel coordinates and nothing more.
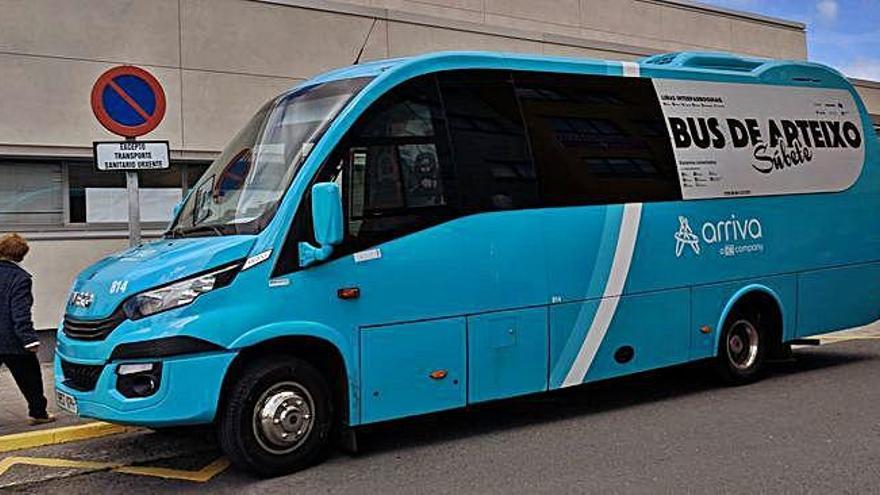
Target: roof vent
(703, 60)
(727, 63)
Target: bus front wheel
(742, 348)
(277, 418)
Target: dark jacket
(16, 299)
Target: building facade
(218, 60)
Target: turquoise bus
(413, 235)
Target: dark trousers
(25, 369)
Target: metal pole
(134, 208)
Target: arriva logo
(737, 236)
(685, 237)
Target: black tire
(737, 363)
(242, 435)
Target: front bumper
(188, 392)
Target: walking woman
(18, 341)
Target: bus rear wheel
(277, 418)
(742, 348)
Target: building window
(102, 198)
(30, 193)
(41, 194)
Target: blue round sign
(128, 101)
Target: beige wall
(218, 60)
(870, 93)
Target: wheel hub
(736, 344)
(283, 417)
(742, 345)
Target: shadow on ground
(199, 444)
(594, 398)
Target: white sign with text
(734, 140)
(131, 155)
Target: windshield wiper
(177, 232)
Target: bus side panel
(654, 325)
(838, 298)
(507, 354)
(710, 301)
(580, 245)
(569, 325)
(413, 368)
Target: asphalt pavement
(812, 425)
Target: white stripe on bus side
(630, 69)
(623, 253)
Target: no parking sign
(128, 101)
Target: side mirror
(327, 221)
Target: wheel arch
(762, 296)
(320, 345)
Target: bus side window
(489, 146)
(597, 139)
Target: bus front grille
(92, 329)
(82, 377)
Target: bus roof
(711, 66)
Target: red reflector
(349, 293)
(438, 375)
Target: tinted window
(597, 139)
(489, 147)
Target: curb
(64, 434)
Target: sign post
(134, 208)
(130, 102)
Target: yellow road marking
(200, 476)
(8, 462)
(54, 436)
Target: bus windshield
(241, 190)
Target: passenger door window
(395, 161)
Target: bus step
(805, 342)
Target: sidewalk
(13, 408)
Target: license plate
(65, 401)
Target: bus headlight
(178, 293)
